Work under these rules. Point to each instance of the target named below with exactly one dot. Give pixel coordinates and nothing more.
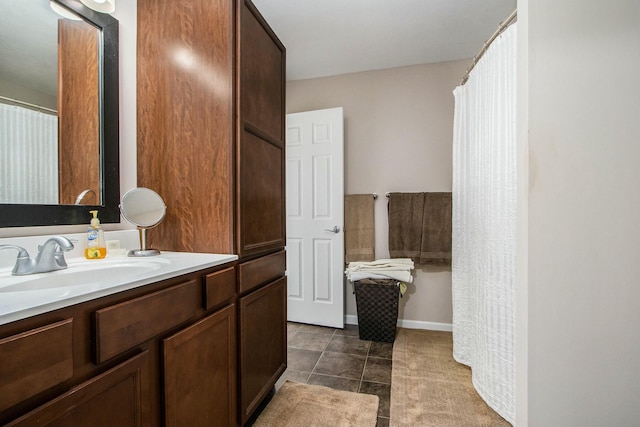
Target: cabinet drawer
(125, 325)
(262, 270)
(118, 397)
(219, 287)
(34, 361)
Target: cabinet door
(200, 372)
(263, 343)
(262, 73)
(118, 397)
(262, 211)
(261, 185)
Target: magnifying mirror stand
(143, 208)
(143, 251)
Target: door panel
(315, 217)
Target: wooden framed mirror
(85, 154)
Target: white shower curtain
(484, 224)
(28, 156)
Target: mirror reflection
(49, 106)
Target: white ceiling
(331, 37)
(29, 45)
(322, 37)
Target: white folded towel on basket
(382, 264)
(400, 276)
(397, 269)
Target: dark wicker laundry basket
(377, 305)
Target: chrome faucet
(50, 257)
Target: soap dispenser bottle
(96, 248)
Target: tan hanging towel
(359, 227)
(435, 247)
(405, 224)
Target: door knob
(335, 229)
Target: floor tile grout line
(338, 377)
(364, 367)
(321, 354)
(329, 342)
(376, 382)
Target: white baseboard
(350, 319)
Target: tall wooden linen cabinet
(210, 119)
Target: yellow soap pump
(96, 248)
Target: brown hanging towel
(420, 227)
(435, 247)
(359, 227)
(405, 225)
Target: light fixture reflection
(64, 12)
(205, 74)
(104, 6)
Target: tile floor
(339, 359)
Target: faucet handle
(24, 263)
(22, 252)
(58, 255)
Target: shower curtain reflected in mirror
(484, 224)
(28, 156)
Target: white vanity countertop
(84, 280)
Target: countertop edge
(25, 313)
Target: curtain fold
(28, 156)
(484, 224)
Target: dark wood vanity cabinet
(211, 143)
(161, 354)
(204, 348)
(260, 222)
(210, 125)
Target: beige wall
(398, 134)
(126, 13)
(584, 213)
(11, 90)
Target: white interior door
(315, 217)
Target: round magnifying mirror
(145, 209)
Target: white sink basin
(84, 280)
(90, 274)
